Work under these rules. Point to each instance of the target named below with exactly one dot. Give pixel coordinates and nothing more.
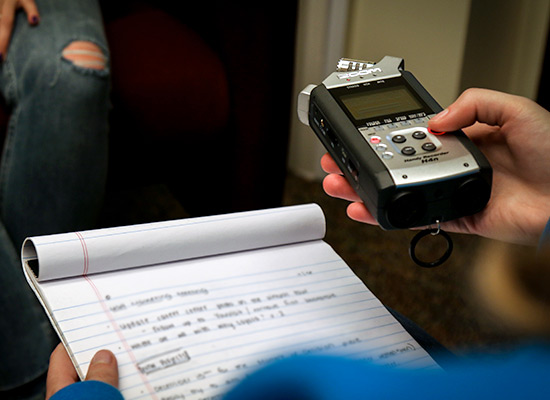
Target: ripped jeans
(55, 80)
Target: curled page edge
(35, 286)
(102, 250)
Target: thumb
(104, 368)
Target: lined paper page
(194, 328)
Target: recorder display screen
(380, 102)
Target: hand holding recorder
(514, 134)
(373, 120)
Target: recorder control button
(387, 155)
(398, 139)
(408, 150)
(375, 139)
(381, 147)
(429, 146)
(419, 135)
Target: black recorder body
(373, 120)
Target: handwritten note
(190, 307)
(191, 329)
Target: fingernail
(102, 357)
(34, 20)
(440, 115)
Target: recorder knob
(405, 209)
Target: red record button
(375, 139)
(437, 133)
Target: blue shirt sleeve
(88, 390)
(544, 242)
(523, 375)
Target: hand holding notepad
(189, 307)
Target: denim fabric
(53, 164)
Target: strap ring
(439, 261)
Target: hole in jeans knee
(85, 54)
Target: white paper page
(97, 251)
(195, 327)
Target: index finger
(33, 17)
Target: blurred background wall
(449, 45)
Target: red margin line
(85, 252)
(120, 336)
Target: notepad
(190, 307)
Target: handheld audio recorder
(373, 120)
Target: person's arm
(101, 380)
(514, 134)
